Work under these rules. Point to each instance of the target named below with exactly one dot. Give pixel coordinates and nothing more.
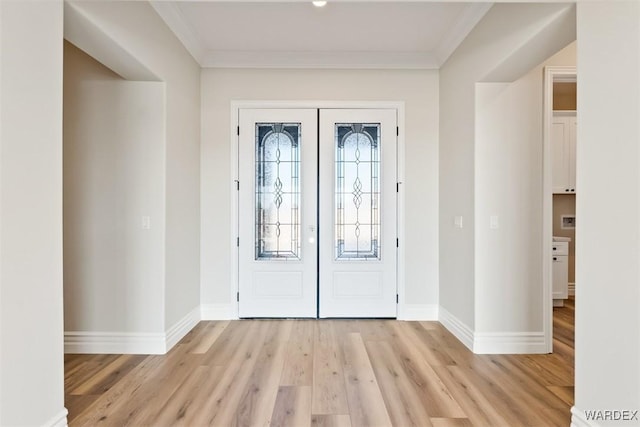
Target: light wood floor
(324, 373)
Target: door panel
(277, 213)
(280, 209)
(357, 213)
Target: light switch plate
(493, 222)
(457, 221)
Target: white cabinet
(560, 269)
(563, 142)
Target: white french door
(317, 213)
(277, 205)
(358, 213)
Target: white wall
(134, 30)
(510, 40)
(608, 165)
(419, 91)
(114, 157)
(508, 184)
(31, 364)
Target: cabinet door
(560, 277)
(572, 153)
(560, 154)
(563, 154)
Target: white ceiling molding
(461, 29)
(171, 13)
(310, 59)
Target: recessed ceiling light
(319, 3)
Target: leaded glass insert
(277, 191)
(357, 213)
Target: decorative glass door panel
(357, 168)
(277, 191)
(277, 213)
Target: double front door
(317, 213)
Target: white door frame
(551, 74)
(233, 183)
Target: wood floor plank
(75, 404)
(329, 395)
(525, 399)
(415, 334)
(222, 402)
(201, 401)
(433, 393)
(228, 343)
(563, 392)
(292, 407)
(110, 408)
(451, 422)
(471, 396)
(330, 420)
(429, 325)
(298, 367)
(402, 402)
(210, 335)
(104, 378)
(158, 390)
(83, 367)
(256, 405)
(375, 330)
(366, 404)
(186, 401)
(521, 384)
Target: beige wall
(113, 176)
(418, 89)
(476, 284)
(131, 31)
(508, 185)
(31, 352)
(607, 363)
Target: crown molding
(175, 20)
(170, 12)
(311, 59)
(460, 30)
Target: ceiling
(342, 34)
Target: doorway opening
(560, 191)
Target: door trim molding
(235, 108)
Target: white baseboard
(509, 343)
(60, 420)
(572, 289)
(494, 342)
(130, 342)
(114, 343)
(578, 419)
(456, 327)
(182, 328)
(425, 312)
(217, 312)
